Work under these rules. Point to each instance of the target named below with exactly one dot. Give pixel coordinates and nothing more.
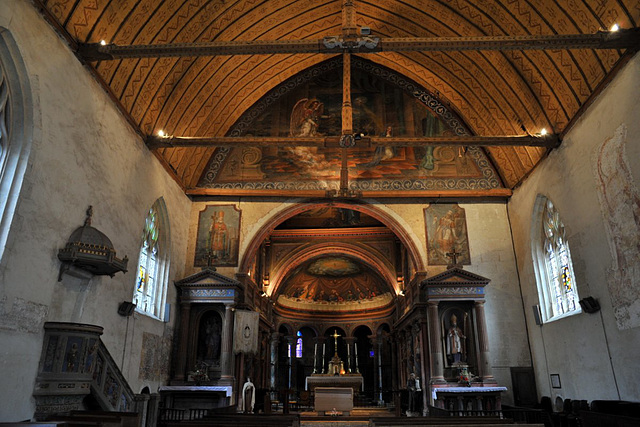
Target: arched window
(150, 290)
(552, 261)
(299, 345)
(16, 126)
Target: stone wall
(593, 180)
(83, 153)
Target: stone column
(181, 368)
(424, 355)
(435, 344)
(273, 344)
(380, 342)
(318, 356)
(484, 368)
(226, 352)
(350, 353)
(291, 342)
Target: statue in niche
(210, 338)
(456, 342)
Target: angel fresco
(305, 117)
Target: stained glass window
(299, 345)
(559, 295)
(150, 292)
(16, 129)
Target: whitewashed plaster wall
(492, 256)
(84, 153)
(594, 354)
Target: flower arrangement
(201, 373)
(464, 377)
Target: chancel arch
(414, 255)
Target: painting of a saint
(218, 236)
(447, 240)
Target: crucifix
(454, 258)
(347, 138)
(335, 337)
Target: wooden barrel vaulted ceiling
(496, 92)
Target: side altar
(461, 377)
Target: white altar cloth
(437, 390)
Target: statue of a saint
(248, 397)
(455, 341)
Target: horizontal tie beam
(621, 39)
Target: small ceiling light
(401, 293)
(161, 133)
(614, 27)
(103, 42)
(543, 132)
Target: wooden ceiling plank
(409, 22)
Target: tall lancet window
(16, 127)
(552, 258)
(299, 345)
(150, 291)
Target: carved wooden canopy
(194, 68)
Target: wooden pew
(441, 421)
(240, 420)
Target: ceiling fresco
(384, 104)
(334, 283)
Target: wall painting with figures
(384, 105)
(217, 241)
(446, 226)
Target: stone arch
(251, 250)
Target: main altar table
(352, 381)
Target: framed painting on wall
(446, 226)
(218, 236)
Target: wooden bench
(441, 421)
(240, 420)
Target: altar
(352, 381)
(468, 398)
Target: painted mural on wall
(155, 356)
(620, 206)
(446, 226)
(384, 105)
(336, 283)
(218, 237)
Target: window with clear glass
(556, 280)
(151, 279)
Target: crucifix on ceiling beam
(347, 138)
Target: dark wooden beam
(497, 193)
(621, 39)
(548, 141)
